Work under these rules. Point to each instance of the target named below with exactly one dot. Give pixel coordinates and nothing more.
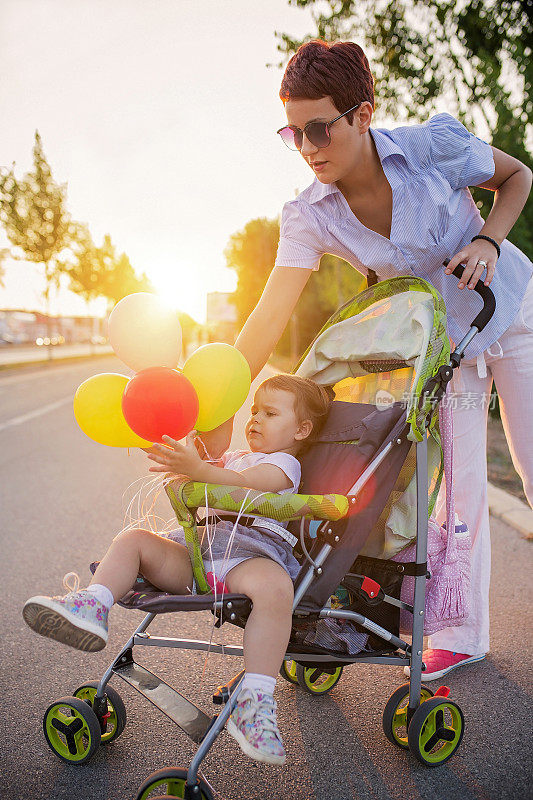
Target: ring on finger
(482, 263)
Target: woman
(397, 202)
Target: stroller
(369, 483)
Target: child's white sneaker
(254, 726)
(77, 619)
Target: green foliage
(35, 217)
(475, 56)
(101, 272)
(251, 252)
(33, 210)
(4, 253)
(327, 289)
(87, 269)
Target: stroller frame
(202, 728)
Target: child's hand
(175, 457)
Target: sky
(161, 118)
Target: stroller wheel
(115, 723)
(172, 781)
(72, 730)
(316, 680)
(395, 714)
(436, 731)
(288, 671)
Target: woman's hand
(216, 442)
(175, 457)
(469, 257)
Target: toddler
(252, 561)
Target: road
(63, 497)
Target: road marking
(37, 413)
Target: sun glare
(179, 294)
(185, 287)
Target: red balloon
(160, 401)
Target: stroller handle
(487, 295)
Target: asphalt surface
(63, 497)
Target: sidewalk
(511, 510)
(12, 356)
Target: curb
(39, 362)
(511, 510)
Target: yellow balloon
(221, 376)
(98, 411)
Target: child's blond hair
(311, 401)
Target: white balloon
(145, 332)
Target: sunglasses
(316, 132)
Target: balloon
(144, 332)
(221, 376)
(98, 411)
(159, 401)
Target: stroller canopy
(386, 342)
(397, 324)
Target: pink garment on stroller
(448, 555)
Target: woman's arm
(265, 325)
(260, 334)
(511, 183)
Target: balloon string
(210, 535)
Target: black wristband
(487, 239)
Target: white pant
(509, 362)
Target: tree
(34, 213)
(4, 253)
(87, 268)
(100, 272)
(475, 56)
(251, 252)
(190, 332)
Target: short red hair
(340, 71)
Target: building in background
(18, 327)
(221, 317)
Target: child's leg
(253, 721)
(268, 629)
(163, 562)
(79, 619)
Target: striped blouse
(429, 168)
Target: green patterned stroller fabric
(184, 495)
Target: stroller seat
(144, 596)
(147, 597)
